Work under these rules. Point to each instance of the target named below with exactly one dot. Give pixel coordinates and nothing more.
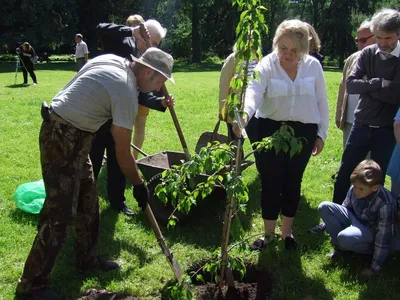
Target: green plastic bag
(30, 196)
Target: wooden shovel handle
(165, 93)
(172, 261)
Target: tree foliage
(196, 28)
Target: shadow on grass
(351, 266)
(386, 285)
(108, 220)
(290, 281)
(17, 86)
(7, 67)
(20, 217)
(67, 280)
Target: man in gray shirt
(376, 77)
(106, 88)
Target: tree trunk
(196, 50)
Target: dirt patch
(100, 294)
(256, 285)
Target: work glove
(141, 194)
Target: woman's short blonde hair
(314, 41)
(297, 31)
(134, 20)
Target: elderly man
(81, 52)
(376, 77)
(106, 88)
(124, 41)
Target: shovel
(176, 268)
(171, 108)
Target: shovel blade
(176, 268)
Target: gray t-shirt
(105, 88)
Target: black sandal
(261, 244)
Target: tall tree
(196, 37)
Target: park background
(207, 27)
(197, 29)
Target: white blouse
(275, 96)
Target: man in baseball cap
(106, 88)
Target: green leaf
(200, 278)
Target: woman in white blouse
(291, 89)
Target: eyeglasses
(364, 39)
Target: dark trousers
(28, 68)
(116, 183)
(281, 175)
(71, 203)
(362, 139)
(80, 62)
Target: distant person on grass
(26, 53)
(365, 222)
(376, 77)
(81, 52)
(125, 41)
(347, 103)
(291, 89)
(106, 88)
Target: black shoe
(106, 265)
(290, 243)
(318, 228)
(45, 294)
(337, 254)
(127, 212)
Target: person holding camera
(27, 56)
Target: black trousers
(281, 175)
(28, 68)
(116, 182)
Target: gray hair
(386, 20)
(366, 24)
(155, 28)
(295, 30)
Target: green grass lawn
(131, 242)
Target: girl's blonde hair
(297, 31)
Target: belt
(371, 126)
(48, 114)
(54, 117)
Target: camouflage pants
(71, 203)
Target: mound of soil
(256, 285)
(100, 294)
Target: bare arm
(126, 161)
